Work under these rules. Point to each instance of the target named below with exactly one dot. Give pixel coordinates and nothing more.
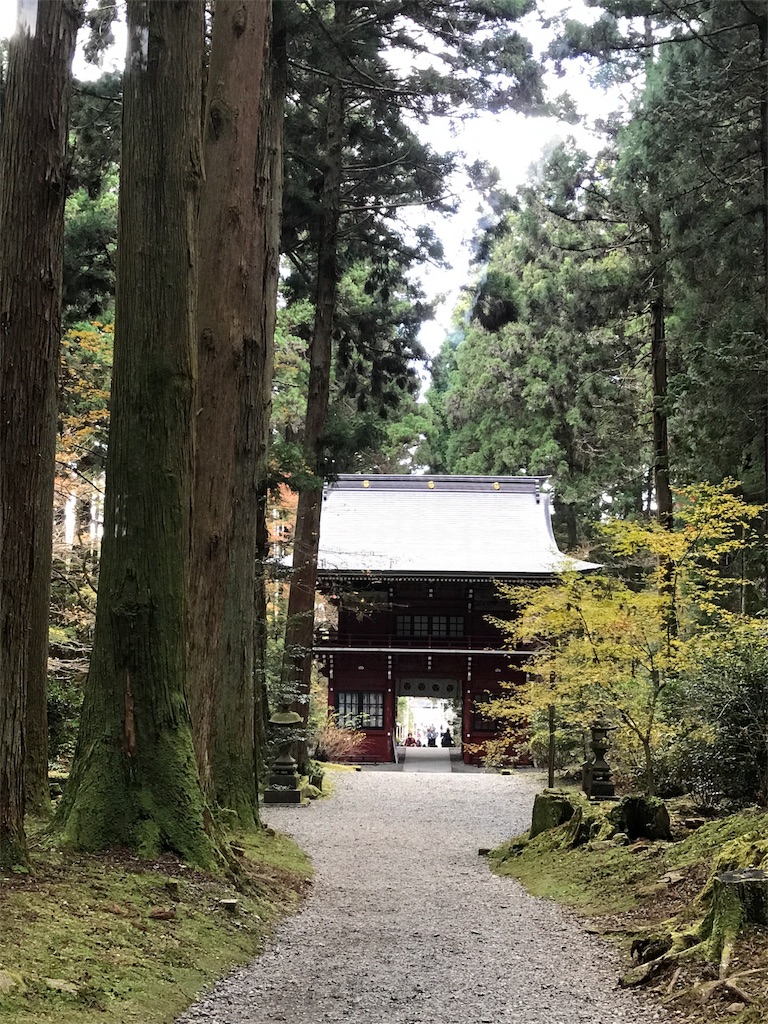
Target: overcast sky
(512, 143)
(509, 141)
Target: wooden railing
(388, 640)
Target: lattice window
(360, 709)
(347, 709)
(447, 625)
(420, 625)
(372, 710)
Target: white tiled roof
(485, 526)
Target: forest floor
(405, 923)
(117, 940)
(644, 889)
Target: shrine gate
(411, 565)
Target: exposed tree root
(707, 989)
(736, 894)
(704, 991)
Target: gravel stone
(407, 925)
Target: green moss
(550, 809)
(693, 928)
(138, 943)
(107, 805)
(597, 881)
(599, 877)
(707, 841)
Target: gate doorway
(425, 721)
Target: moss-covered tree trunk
(32, 190)
(236, 317)
(134, 780)
(301, 601)
(738, 898)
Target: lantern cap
(601, 722)
(284, 718)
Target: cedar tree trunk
(32, 190)
(662, 487)
(269, 186)
(664, 503)
(134, 781)
(297, 656)
(762, 27)
(236, 304)
(659, 378)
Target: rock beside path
(407, 925)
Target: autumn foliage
(620, 642)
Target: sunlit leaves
(601, 642)
(84, 395)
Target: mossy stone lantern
(597, 781)
(284, 780)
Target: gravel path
(406, 924)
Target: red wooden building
(410, 562)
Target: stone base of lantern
(282, 796)
(283, 788)
(597, 782)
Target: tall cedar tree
(682, 177)
(473, 40)
(134, 780)
(707, 178)
(301, 601)
(239, 231)
(541, 374)
(32, 177)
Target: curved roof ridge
(489, 526)
(434, 481)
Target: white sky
(512, 143)
(7, 17)
(508, 141)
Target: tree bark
(297, 657)
(270, 176)
(659, 380)
(134, 780)
(664, 504)
(32, 191)
(236, 313)
(738, 898)
(762, 27)
(650, 778)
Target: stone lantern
(597, 781)
(284, 779)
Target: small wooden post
(551, 774)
